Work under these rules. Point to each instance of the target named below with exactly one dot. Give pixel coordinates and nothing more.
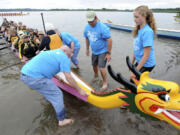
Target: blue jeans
(74, 57)
(49, 90)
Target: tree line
(169, 10)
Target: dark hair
(51, 32)
(35, 34)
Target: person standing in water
(98, 36)
(73, 43)
(144, 34)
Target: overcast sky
(74, 4)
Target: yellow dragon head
(150, 97)
(160, 99)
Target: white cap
(21, 34)
(49, 26)
(90, 16)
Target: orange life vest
(55, 42)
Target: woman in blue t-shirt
(144, 34)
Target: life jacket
(28, 49)
(55, 42)
(13, 38)
(36, 40)
(18, 43)
(24, 30)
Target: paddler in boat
(13, 36)
(34, 36)
(5, 22)
(24, 29)
(27, 48)
(40, 36)
(20, 26)
(17, 42)
(51, 41)
(38, 72)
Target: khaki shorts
(99, 60)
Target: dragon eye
(164, 97)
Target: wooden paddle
(6, 53)
(43, 23)
(5, 47)
(11, 66)
(2, 43)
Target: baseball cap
(40, 32)
(20, 33)
(25, 36)
(90, 16)
(49, 26)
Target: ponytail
(146, 12)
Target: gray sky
(74, 4)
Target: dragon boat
(109, 99)
(161, 32)
(149, 97)
(156, 99)
(13, 13)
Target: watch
(108, 52)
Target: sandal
(65, 122)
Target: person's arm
(37, 41)
(108, 54)
(87, 46)
(45, 42)
(133, 59)
(72, 46)
(59, 78)
(73, 84)
(144, 58)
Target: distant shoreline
(168, 10)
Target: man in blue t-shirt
(73, 43)
(38, 72)
(98, 37)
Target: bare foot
(95, 79)
(104, 87)
(65, 122)
(77, 66)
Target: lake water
(25, 112)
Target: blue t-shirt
(47, 64)
(97, 37)
(67, 38)
(144, 38)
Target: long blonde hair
(146, 12)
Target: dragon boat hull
(151, 98)
(109, 99)
(13, 13)
(167, 33)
